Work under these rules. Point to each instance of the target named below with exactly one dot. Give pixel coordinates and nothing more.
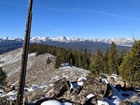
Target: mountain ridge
(118, 41)
(92, 45)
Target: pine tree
(112, 59)
(59, 58)
(98, 63)
(130, 67)
(77, 62)
(79, 59)
(86, 61)
(105, 62)
(120, 57)
(57, 62)
(48, 61)
(3, 77)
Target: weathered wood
(25, 55)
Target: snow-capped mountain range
(38, 39)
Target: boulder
(4, 101)
(58, 89)
(91, 86)
(35, 95)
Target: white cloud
(109, 14)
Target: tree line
(98, 62)
(126, 64)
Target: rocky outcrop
(62, 89)
(83, 91)
(58, 89)
(91, 92)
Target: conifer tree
(112, 59)
(120, 57)
(130, 67)
(48, 61)
(86, 61)
(3, 77)
(98, 63)
(105, 62)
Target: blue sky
(72, 18)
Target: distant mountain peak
(92, 45)
(61, 39)
(8, 38)
(38, 39)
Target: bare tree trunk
(25, 55)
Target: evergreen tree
(79, 59)
(130, 67)
(57, 62)
(3, 77)
(86, 60)
(105, 62)
(120, 57)
(112, 59)
(48, 61)
(59, 58)
(98, 63)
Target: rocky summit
(90, 90)
(67, 85)
(94, 91)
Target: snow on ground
(71, 71)
(55, 102)
(118, 96)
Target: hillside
(67, 84)
(38, 71)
